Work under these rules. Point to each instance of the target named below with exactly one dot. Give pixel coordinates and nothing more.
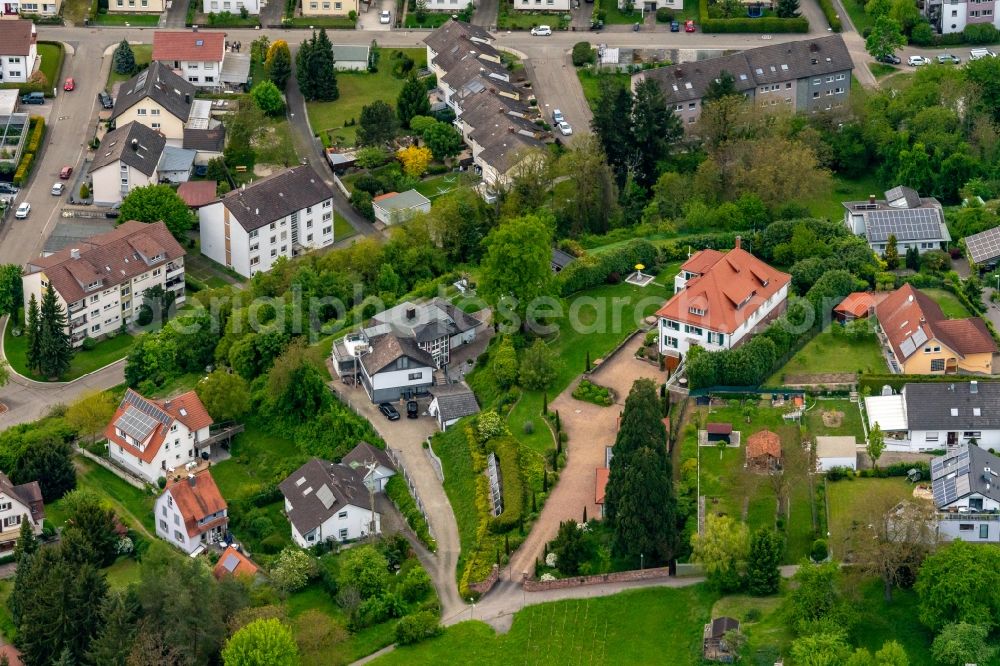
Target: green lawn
(436, 186)
(134, 20)
(850, 423)
(521, 20)
(830, 205)
(274, 145)
(84, 362)
(329, 22)
(143, 54)
(123, 573)
(847, 499)
(832, 352)
(881, 621)
(356, 90)
(342, 229)
(431, 20)
(768, 636)
(952, 307)
(591, 83)
(859, 17)
(7, 628)
(640, 627)
(132, 505)
(880, 69)
(52, 59)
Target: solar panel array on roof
(950, 476)
(947, 464)
(984, 247)
(230, 563)
(135, 400)
(135, 424)
(904, 224)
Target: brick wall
(485, 586)
(580, 581)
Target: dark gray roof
(430, 321)
(365, 453)
(720, 625)
(455, 32)
(501, 147)
(472, 64)
(984, 247)
(963, 472)
(386, 349)
(318, 490)
(134, 144)
(276, 197)
(206, 140)
(788, 61)
(561, 259)
(906, 224)
(159, 83)
(70, 232)
(455, 401)
(907, 194)
(952, 406)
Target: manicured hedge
(508, 456)
(397, 491)
(37, 132)
(591, 270)
(831, 14)
(23, 169)
(875, 382)
(765, 24)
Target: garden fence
(401, 469)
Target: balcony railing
(77, 307)
(970, 516)
(173, 268)
(82, 323)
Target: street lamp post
(642, 561)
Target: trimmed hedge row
(875, 382)
(23, 169)
(397, 491)
(764, 24)
(831, 14)
(591, 270)
(37, 132)
(507, 451)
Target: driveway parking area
(590, 428)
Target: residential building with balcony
(191, 513)
(196, 56)
(914, 221)
(158, 438)
(720, 299)
(100, 281)
(17, 504)
(937, 415)
(283, 215)
(127, 158)
(966, 486)
(951, 16)
(18, 47)
(917, 338)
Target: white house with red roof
(191, 513)
(720, 299)
(195, 56)
(19, 503)
(152, 438)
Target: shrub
(89, 343)
(664, 15)
(362, 201)
(508, 456)
(981, 33)
(23, 169)
(417, 627)
(590, 392)
(819, 551)
(831, 14)
(37, 132)
(583, 54)
(399, 494)
(593, 270)
(838, 473)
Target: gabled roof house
(966, 486)
(720, 299)
(157, 98)
(915, 221)
(191, 513)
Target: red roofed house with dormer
(720, 299)
(151, 438)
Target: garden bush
(819, 550)
(399, 494)
(664, 15)
(593, 270)
(590, 392)
(37, 132)
(583, 54)
(838, 473)
(23, 169)
(831, 14)
(981, 33)
(417, 627)
(766, 24)
(508, 456)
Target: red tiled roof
(244, 567)
(188, 45)
(16, 37)
(188, 409)
(907, 310)
(737, 277)
(196, 498)
(197, 193)
(387, 195)
(701, 261)
(601, 484)
(858, 303)
(719, 428)
(762, 443)
(13, 655)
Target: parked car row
(390, 412)
(942, 58)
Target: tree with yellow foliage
(415, 160)
(278, 63)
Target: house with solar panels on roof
(984, 248)
(966, 486)
(915, 221)
(157, 438)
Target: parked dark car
(33, 98)
(7, 188)
(890, 59)
(105, 99)
(388, 411)
(675, 26)
(597, 25)
(412, 409)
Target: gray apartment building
(804, 76)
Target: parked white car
(917, 61)
(384, 16)
(978, 54)
(22, 210)
(58, 189)
(557, 116)
(565, 128)
(541, 31)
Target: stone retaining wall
(485, 586)
(580, 581)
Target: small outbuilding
(198, 193)
(719, 432)
(350, 57)
(363, 457)
(715, 647)
(452, 402)
(763, 451)
(858, 305)
(841, 451)
(234, 563)
(395, 207)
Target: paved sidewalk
(590, 428)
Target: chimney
(256, 211)
(135, 145)
(974, 386)
(191, 480)
(187, 98)
(166, 404)
(194, 28)
(411, 313)
(74, 253)
(871, 198)
(739, 242)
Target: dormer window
(696, 311)
(93, 285)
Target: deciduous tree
(278, 65)
(517, 266)
(885, 38)
(961, 643)
(365, 569)
(504, 363)
(443, 140)
(225, 395)
(960, 583)
(721, 550)
(265, 641)
(153, 203)
(10, 289)
(876, 444)
(763, 558)
(268, 99)
(538, 366)
(415, 160)
(91, 413)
